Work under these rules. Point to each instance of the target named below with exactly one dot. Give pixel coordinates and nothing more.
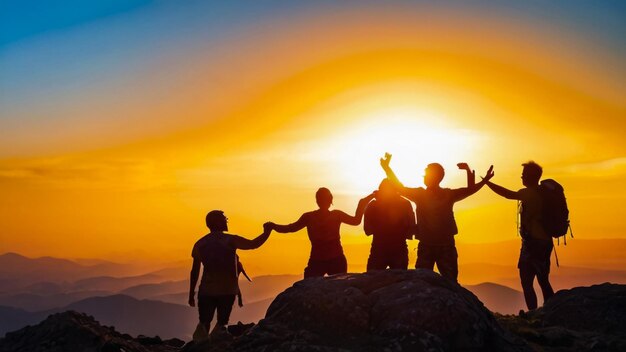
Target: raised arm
(503, 192)
(471, 174)
(462, 193)
(404, 191)
(193, 281)
(384, 163)
(358, 214)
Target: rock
(387, 310)
(599, 308)
(581, 319)
(72, 331)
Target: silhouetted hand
(192, 300)
(268, 227)
(490, 173)
(463, 166)
(384, 162)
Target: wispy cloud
(77, 172)
(601, 168)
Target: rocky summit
(415, 310)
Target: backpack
(554, 213)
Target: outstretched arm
(503, 192)
(293, 227)
(358, 214)
(193, 280)
(462, 193)
(244, 243)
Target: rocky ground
(414, 310)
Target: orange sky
(254, 126)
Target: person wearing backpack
(217, 252)
(534, 259)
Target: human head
(433, 174)
(216, 221)
(324, 198)
(531, 173)
(385, 189)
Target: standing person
(217, 252)
(390, 220)
(534, 258)
(322, 226)
(436, 226)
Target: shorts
(317, 268)
(394, 257)
(207, 305)
(535, 256)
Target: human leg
(543, 271)
(399, 259)
(337, 265)
(527, 276)
(206, 309)
(224, 308)
(425, 257)
(447, 262)
(314, 268)
(376, 260)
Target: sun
(414, 137)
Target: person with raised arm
(534, 258)
(217, 253)
(436, 226)
(327, 257)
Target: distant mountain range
(119, 295)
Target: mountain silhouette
(387, 310)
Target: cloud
(82, 172)
(602, 168)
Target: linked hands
(488, 176)
(268, 227)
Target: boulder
(392, 310)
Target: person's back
(435, 215)
(219, 264)
(390, 220)
(217, 254)
(323, 230)
(323, 227)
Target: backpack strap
(556, 257)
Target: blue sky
(51, 51)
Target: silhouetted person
(217, 252)
(534, 258)
(390, 220)
(436, 226)
(323, 229)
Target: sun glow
(414, 138)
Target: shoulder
(337, 212)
